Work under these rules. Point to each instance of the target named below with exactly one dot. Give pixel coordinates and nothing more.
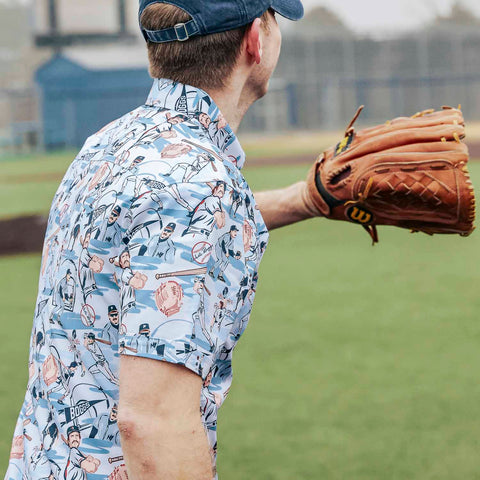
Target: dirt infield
(22, 234)
(305, 158)
(26, 234)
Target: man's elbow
(127, 425)
(135, 424)
(164, 446)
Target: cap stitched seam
(197, 20)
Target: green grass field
(359, 362)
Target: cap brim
(291, 9)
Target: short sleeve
(166, 294)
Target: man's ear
(253, 41)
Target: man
(110, 330)
(100, 363)
(126, 280)
(64, 378)
(64, 297)
(224, 252)
(161, 246)
(78, 464)
(209, 213)
(111, 231)
(210, 60)
(141, 342)
(105, 427)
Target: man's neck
(233, 101)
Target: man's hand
(96, 264)
(90, 464)
(138, 281)
(161, 431)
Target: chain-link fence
(329, 103)
(20, 129)
(318, 84)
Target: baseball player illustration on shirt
(163, 130)
(224, 253)
(100, 364)
(214, 130)
(159, 188)
(191, 169)
(160, 245)
(78, 464)
(110, 330)
(127, 281)
(219, 314)
(44, 468)
(50, 433)
(141, 342)
(208, 213)
(64, 297)
(110, 231)
(105, 427)
(199, 315)
(89, 264)
(63, 381)
(73, 347)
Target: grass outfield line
(28, 185)
(359, 362)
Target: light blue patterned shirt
(138, 221)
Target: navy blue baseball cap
(213, 16)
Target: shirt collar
(192, 101)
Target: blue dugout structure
(77, 101)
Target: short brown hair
(203, 61)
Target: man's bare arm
(286, 205)
(161, 431)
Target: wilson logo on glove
(359, 215)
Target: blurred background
(68, 67)
(359, 363)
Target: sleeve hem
(178, 352)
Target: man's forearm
(157, 450)
(285, 206)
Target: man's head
(113, 413)
(200, 42)
(124, 260)
(168, 230)
(198, 284)
(73, 436)
(219, 189)
(114, 214)
(86, 241)
(144, 329)
(233, 231)
(113, 315)
(204, 119)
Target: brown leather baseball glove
(410, 172)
